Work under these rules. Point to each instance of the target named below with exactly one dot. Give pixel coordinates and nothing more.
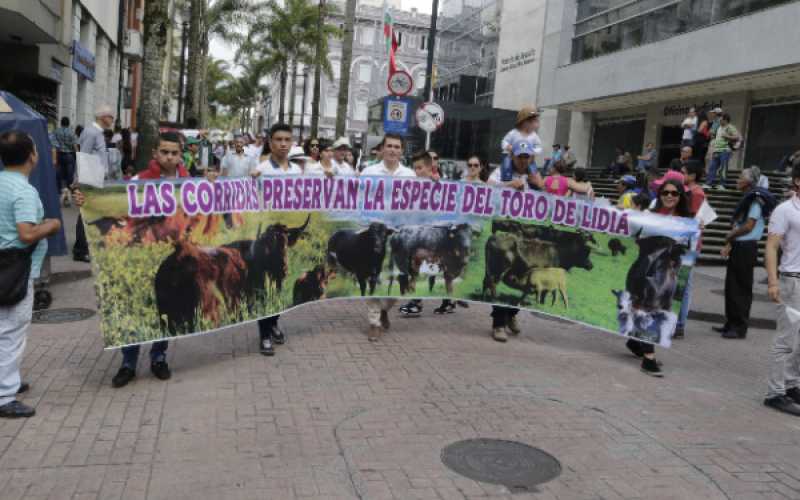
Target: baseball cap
(193, 140)
(671, 175)
(628, 180)
(717, 110)
(342, 142)
(526, 112)
(522, 147)
(297, 153)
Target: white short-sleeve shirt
(380, 169)
(268, 168)
(237, 165)
(785, 221)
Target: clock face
(400, 83)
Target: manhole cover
(517, 466)
(65, 315)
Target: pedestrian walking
(741, 250)
(726, 139)
(23, 246)
(237, 163)
(783, 386)
(392, 150)
(65, 143)
(277, 163)
(92, 141)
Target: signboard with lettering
(683, 109)
(83, 61)
(517, 60)
(396, 115)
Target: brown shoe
(499, 334)
(513, 326)
(385, 323)
(374, 333)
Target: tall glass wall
(606, 26)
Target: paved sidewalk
(334, 416)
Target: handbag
(15, 273)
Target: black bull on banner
(180, 257)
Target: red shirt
(696, 198)
(153, 171)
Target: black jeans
(81, 247)
(266, 325)
(502, 315)
(65, 175)
(739, 285)
(130, 354)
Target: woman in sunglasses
(475, 170)
(673, 201)
(311, 147)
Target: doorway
(671, 138)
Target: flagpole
(428, 92)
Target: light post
(303, 106)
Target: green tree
(344, 72)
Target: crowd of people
(678, 193)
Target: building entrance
(670, 145)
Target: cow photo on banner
(181, 257)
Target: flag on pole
(390, 38)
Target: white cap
(104, 110)
(297, 153)
(342, 142)
(717, 110)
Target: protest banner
(178, 257)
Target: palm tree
(197, 21)
(322, 33)
(344, 70)
(157, 25)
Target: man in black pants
(741, 250)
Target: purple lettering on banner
(205, 197)
(316, 192)
(134, 209)
(380, 203)
(168, 204)
(226, 197)
(516, 204)
(189, 198)
(450, 202)
(436, 196)
(277, 186)
(602, 220)
(570, 219)
(367, 194)
(352, 193)
(218, 201)
(542, 208)
(527, 207)
(328, 188)
(424, 196)
(266, 196)
(506, 195)
(397, 187)
(623, 227)
(152, 205)
(586, 220)
(307, 185)
(467, 199)
(559, 211)
(338, 203)
(416, 189)
(484, 203)
(288, 184)
(298, 194)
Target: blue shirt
(64, 140)
(758, 230)
(19, 202)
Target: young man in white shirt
(378, 309)
(783, 392)
(236, 163)
(340, 150)
(277, 163)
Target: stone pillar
(101, 72)
(580, 137)
(69, 85)
(86, 88)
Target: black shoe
(445, 308)
(123, 376)
(82, 258)
(730, 334)
(651, 367)
(784, 404)
(161, 370)
(411, 309)
(462, 303)
(793, 394)
(278, 336)
(720, 329)
(15, 409)
(266, 347)
(635, 347)
(678, 333)
(25, 387)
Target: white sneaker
(720, 188)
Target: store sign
(683, 109)
(83, 61)
(517, 60)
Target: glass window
(772, 135)
(330, 106)
(361, 110)
(365, 72)
(627, 135)
(367, 35)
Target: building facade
(616, 73)
(369, 68)
(67, 57)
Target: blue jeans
(687, 298)
(130, 354)
(719, 165)
(643, 165)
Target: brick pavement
(333, 416)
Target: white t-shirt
(496, 178)
(267, 168)
(344, 168)
(237, 165)
(315, 168)
(785, 221)
(515, 135)
(253, 151)
(380, 169)
(691, 123)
